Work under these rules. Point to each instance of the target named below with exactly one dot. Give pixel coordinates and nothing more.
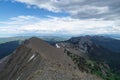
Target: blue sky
(11, 9)
(59, 17)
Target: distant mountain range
(106, 42)
(46, 38)
(78, 58)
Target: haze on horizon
(59, 17)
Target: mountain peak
(35, 59)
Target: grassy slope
(98, 68)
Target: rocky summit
(35, 59)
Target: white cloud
(19, 20)
(56, 25)
(79, 8)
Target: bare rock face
(37, 60)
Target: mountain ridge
(37, 60)
(93, 53)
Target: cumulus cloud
(82, 9)
(56, 25)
